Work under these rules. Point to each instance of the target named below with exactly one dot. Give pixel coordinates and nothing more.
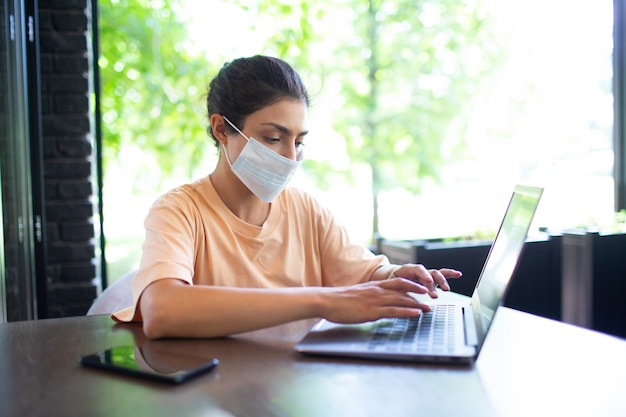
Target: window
(544, 116)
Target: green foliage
(150, 91)
(419, 74)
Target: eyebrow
(284, 130)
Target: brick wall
(68, 156)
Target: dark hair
(246, 85)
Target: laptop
(454, 331)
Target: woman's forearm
(171, 308)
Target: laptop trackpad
(343, 335)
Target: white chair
(115, 297)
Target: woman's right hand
(373, 300)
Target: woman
(238, 251)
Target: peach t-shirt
(191, 235)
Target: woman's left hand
(429, 278)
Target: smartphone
(129, 360)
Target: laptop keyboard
(430, 332)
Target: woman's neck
(239, 200)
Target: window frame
(619, 102)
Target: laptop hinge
(471, 338)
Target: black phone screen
(129, 360)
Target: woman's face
(280, 126)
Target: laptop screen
(504, 256)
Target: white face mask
(262, 170)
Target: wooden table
(573, 372)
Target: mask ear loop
(224, 147)
(235, 127)
(226, 155)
